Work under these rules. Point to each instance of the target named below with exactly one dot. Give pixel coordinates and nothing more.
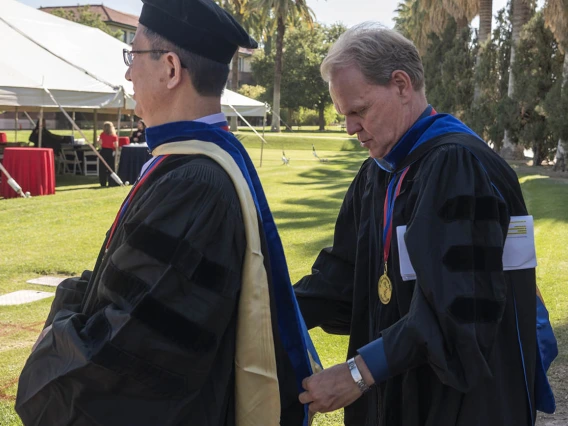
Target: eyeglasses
(128, 55)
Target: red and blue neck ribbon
(388, 211)
(122, 211)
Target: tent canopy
(247, 107)
(81, 66)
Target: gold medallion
(385, 289)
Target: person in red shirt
(108, 142)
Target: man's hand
(330, 389)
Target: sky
(350, 12)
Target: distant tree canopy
(85, 16)
(254, 92)
(301, 85)
(472, 81)
(537, 68)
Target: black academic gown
(450, 336)
(148, 338)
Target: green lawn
(303, 140)
(61, 235)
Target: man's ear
(174, 70)
(403, 83)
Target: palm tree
(521, 12)
(556, 18)
(413, 21)
(284, 12)
(466, 10)
(416, 19)
(238, 8)
(463, 11)
(484, 36)
(485, 20)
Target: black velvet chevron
(213, 276)
(471, 208)
(154, 243)
(155, 378)
(127, 286)
(474, 258)
(179, 253)
(178, 329)
(476, 310)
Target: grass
(547, 201)
(301, 140)
(61, 235)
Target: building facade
(114, 19)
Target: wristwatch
(356, 374)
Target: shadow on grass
(325, 187)
(63, 181)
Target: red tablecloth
(32, 168)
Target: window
(241, 64)
(130, 37)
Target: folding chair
(90, 164)
(71, 161)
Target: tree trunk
(537, 154)
(321, 119)
(281, 28)
(268, 45)
(485, 20)
(561, 142)
(521, 14)
(235, 64)
(235, 85)
(461, 25)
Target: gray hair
(377, 51)
(207, 76)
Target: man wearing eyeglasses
(188, 317)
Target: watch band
(356, 374)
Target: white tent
(245, 106)
(81, 66)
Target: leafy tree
(556, 18)
(301, 85)
(245, 14)
(418, 19)
(448, 67)
(521, 13)
(254, 92)
(490, 114)
(537, 68)
(85, 16)
(556, 110)
(285, 13)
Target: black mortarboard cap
(199, 26)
